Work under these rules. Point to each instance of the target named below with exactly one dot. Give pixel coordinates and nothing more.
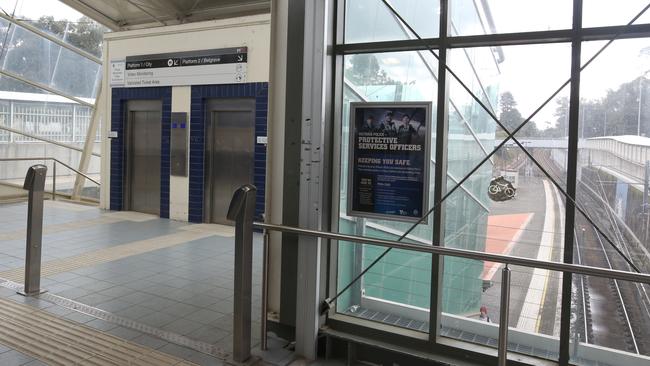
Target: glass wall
(510, 124)
(613, 180)
(401, 280)
(30, 63)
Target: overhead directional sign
(216, 66)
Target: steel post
(242, 210)
(35, 183)
(265, 291)
(503, 316)
(53, 180)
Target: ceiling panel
(135, 14)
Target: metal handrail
(57, 161)
(469, 254)
(502, 346)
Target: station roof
(627, 139)
(137, 14)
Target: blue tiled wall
(118, 155)
(259, 91)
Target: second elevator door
(230, 155)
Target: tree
(511, 118)
(365, 70)
(38, 59)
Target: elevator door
(143, 157)
(229, 153)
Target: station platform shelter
(332, 182)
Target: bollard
(265, 291)
(242, 210)
(35, 184)
(503, 316)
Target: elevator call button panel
(179, 144)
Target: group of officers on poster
(406, 130)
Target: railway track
(609, 313)
(629, 328)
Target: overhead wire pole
(571, 184)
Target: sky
(34, 9)
(530, 72)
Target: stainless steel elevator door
(230, 159)
(143, 161)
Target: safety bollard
(503, 316)
(242, 210)
(35, 184)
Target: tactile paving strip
(127, 323)
(57, 228)
(61, 265)
(57, 341)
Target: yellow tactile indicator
(61, 265)
(108, 218)
(56, 341)
(51, 229)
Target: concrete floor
(147, 272)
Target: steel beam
(315, 189)
(440, 176)
(44, 139)
(500, 39)
(89, 141)
(50, 37)
(45, 87)
(94, 14)
(571, 184)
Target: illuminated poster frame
(389, 160)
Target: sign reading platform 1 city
(216, 66)
(389, 151)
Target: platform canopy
(137, 14)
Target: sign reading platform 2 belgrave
(389, 160)
(216, 66)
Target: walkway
(123, 288)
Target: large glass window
(598, 13)
(372, 20)
(612, 171)
(397, 289)
(37, 116)
(526, 225)
(474, 17)
(509, 197)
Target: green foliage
(511, 118)
(365, 70)
(37, 59)
(615, 114)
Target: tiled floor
(183, 287)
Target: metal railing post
(35, 183)
(242, 210)
(53, 180)
(503, 316)
(265, 291)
